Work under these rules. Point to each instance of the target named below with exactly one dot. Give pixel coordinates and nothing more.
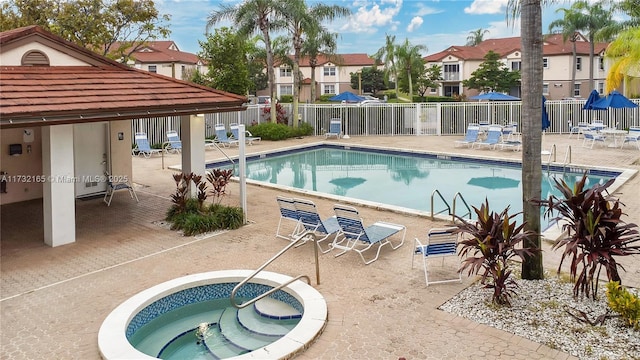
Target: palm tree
(252, 16)
(409, 58)
(387, 56)
(531, 35)
(298, 19)
(569, 26)
(476, 37)
(625, 53)
(317, 42)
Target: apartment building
(459, 62)
(332, 75)
(165, 58)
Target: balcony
(451, 76)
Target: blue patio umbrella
(593, 97)
(545, 116)
(494, 96)
(346, 96)
(613, 100)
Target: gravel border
(538, 313)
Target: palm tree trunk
(531, 30)
(296, 86)
(271, 78)
(313, 81)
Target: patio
(54, 299)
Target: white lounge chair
(494, 134)
(222, 138)
(359, 238)
(288, 214)
(248, 138)
(311, 221)
(174, 143)
(335, 128)
(591, 137)
(441, 243)
(632, 137)
(142, 146)
(470, 137)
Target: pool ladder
(233, 164)
(451, 209)
(297, 241)
(552, 155)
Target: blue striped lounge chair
(441, 243)
(248, 138)
(494, 134)
(143, 147)
(311, 221)
(335, 128)
(356, 237)
(222, 138)
(470, 137)
(632, 137)
(174, 143)
(288, 214)
(591, 137)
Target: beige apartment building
(165, 58)
(459, 62)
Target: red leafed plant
(281, 114)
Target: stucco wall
(120, 150)
(23, 172)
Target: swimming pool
(403, 180)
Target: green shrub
(286, 98)
(419, 99)
(624, 303)
(271, 131)
(326, 97)
(196, 223)
(231, 217)
(440, 99)
(303, 129)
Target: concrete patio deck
(53, 300)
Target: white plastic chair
(441, 243)
(115, 183)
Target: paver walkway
(53, 300)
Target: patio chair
(441, 243)
(142, 146)
(356, 237)
(248, 138)
(591, 137)
(335, 128)
(578, 129)
(222, 138)
(311, 221)
(288, 214)
(493, 138)
(174, 143)
(473, 131)
(115, 183)
(632, 137)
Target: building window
(545, 63)
(601, 63)
(516, 65)
(433, 90)
(329, 71)
(579, 64)
(285, 72)
(576, 90)
(153, 68)
(329, 89)
(600, 88)
(286, 89)
(451, 72)
(545, 89)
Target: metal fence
(416, 119)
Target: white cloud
(479, 7)
(423, 10)
(371, 16)
(415, 23)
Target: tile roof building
(165, 58)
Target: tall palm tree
(409, 58)
(476, 36)
(625, 53)
(317, 42)
(531, 35)
(569, 26)
(387, 56)
(252, 16)
(594, 18)
(298, 19)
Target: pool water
(406, 179)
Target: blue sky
(436, 24)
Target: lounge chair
(335, 128)
(311, 221)
(222, 138)
(632, 137)
(579, 129)
(591, 137)
(441, 243)
(142, 146)
(288, 214)
(493, 137)
(115, 183)
(174, 143)
(248, 138)
(356, 237)
(470, 137)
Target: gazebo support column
(192, 133)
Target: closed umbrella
(545, 116)
(593, 97)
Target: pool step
(257, 324)
(276, 309)
(235, 333)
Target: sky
(436, 24)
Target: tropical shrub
(281, 114)
(274, 132)
(489, 246)
(624, 303)
(595, 233)
(286, 98)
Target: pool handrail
(301, 237)
(453, 215)
(433, 193)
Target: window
(600, 88)
(34, 58)
(153, 68)
(576, 90)
(545, 89)
(329, 89)
(286, 89)
(329, 71)
(516, 65)
(601, 63)
(579, 63)
(285, 72)
(545, 63)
